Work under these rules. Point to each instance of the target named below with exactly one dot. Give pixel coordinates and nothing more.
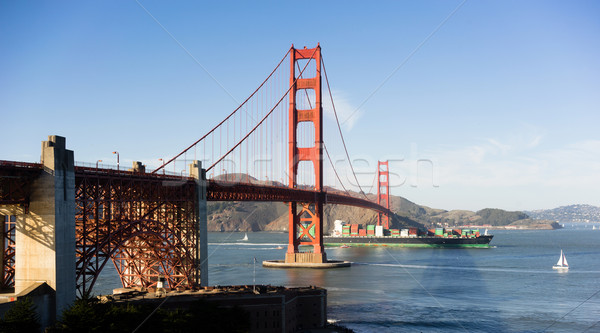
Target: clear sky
(475, 103)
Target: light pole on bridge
(163, 164)
(116, 152)
(98, 161)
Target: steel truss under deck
(146, 224)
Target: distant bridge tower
(383, 192)
(306, 219)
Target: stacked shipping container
(371, 230)
(346, 230)
(350, 230)
(354, 230)
(412, 232)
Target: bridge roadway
(235, 191)
(16, 178)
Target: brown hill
(273, 216)
(245, 216)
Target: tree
(21, 317)
(85, 315)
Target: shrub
(21, 317)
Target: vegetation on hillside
(244, 215)
(497, 217)
(218, 206)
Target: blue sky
(476, 104)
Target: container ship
(353, 235)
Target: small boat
(562, 263)
(344, 246)
(245, 237)
(279, 247)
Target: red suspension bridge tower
(306, 218)
(383, 192)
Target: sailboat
(245, 237)
(562, 263)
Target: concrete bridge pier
(199, 174)
(45, 235)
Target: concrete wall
(271, 309)
(45, 237)
(197, 172)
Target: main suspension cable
(265, 117)
(340, 129)
(334, 170)
(231, 114)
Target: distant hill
(273, 216)
(569, 214)
(497, 217)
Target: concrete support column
(199, 174)
(45, 237)
(3, 219)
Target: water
(508, 288)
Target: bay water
(510, 287)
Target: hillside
(569, 214)
(497, 217)
(273, 216)
(245, 216)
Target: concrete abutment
(45, 235)
(199, 175)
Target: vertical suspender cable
(340, 129)
(226, 118)
(259, 123)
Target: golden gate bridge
(151, 224)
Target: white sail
(562, 263)
(560, 259)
